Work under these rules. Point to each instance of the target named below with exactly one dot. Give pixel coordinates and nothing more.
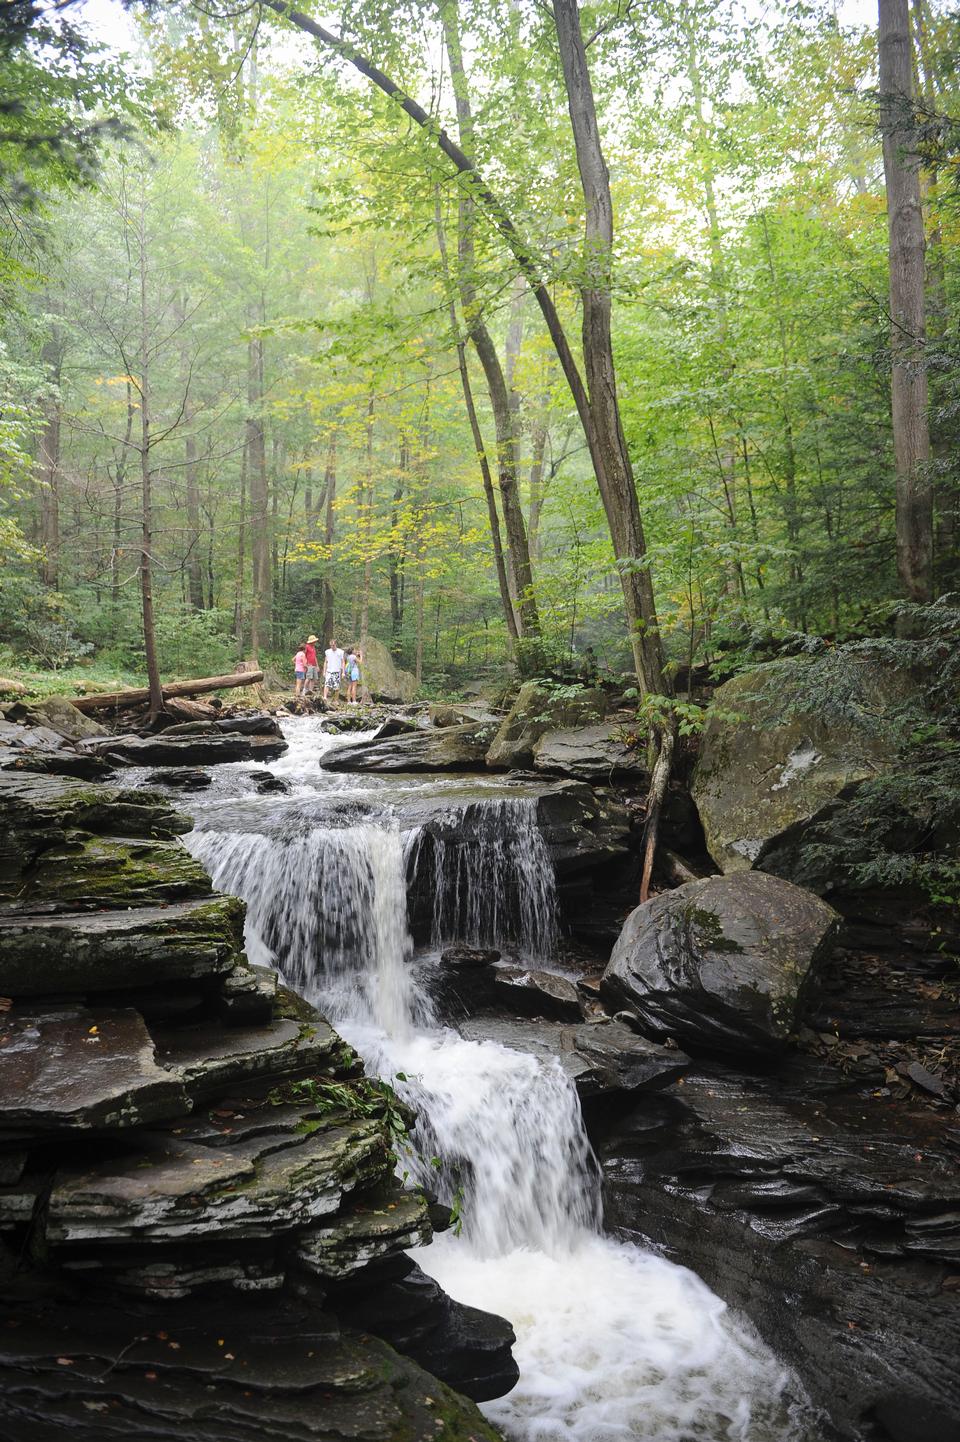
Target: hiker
(313, 670)
(352, 673)
(332, 669)
(300, 670)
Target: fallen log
(118, 699)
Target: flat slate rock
(599, 1057)
(454, 748)
(172, 1190)
(193, 750)
(71, 1068)
(213, 1059)
(115, 950)
(590, 753)
(285, 1373)
(365, 1233)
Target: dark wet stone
(274, 1371)
(363, 1233)
(468, 1349)
(258, 723)
(83, 766)
(468, 957)
(113, 950)
(185, 778)
(721, 964)
(830, 1216)
(205, 750)
(71, 1068)
(268, 784)
(536, 993)
(602, 1058)
(247, 996)
(211, 1059)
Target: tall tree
(906, 247)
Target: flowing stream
(613, 1342)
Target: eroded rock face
(721, 964)
(796, 1187)
(538, 710)
(768, 774)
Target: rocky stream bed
(202, 1233)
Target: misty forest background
(235, 271)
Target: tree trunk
(138, 694)
(503, 415)
(48, 458)
(146, 479)
(604, 429)
(506, 600)
(260, 602)
(241, 554)
(330, 491)
(911, 440)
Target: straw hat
(310, 640)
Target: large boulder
(538, 709)
(721, 964)
(591, 753)
(62, 716)
(382, 677)
(782, 761)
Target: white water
(614, 1343)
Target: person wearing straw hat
(313, 670)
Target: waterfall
(615, 1344)
(493, 881)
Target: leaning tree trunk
(906, 247)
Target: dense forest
(492, 334)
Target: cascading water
(613, 1343)
(493, 881)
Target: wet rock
(111, 950)
(457, 748)
(538, 709)
(592, 753)
(774, 769)
(98, 871)
(248, 995)
(171, 1190)
(211, 1059)
(468, 958)
(249, 723)
(364, 1233)
(601, 1058)
(462, 715)
(469, 1349)
(268, 784)
(62, 762)
(70, 1068)
(462, 983)
(793, 1185)
(206, 750)
(183, 778)
(536, 993)
(285, 1372)
(721, 964)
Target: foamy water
(613, 1342)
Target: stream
(613, 1341)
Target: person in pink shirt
(300, 669)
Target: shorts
(313, 672)
(300, 675)
(332, 680)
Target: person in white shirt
(332, 670)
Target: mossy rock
(782, 761)
(539, 709)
